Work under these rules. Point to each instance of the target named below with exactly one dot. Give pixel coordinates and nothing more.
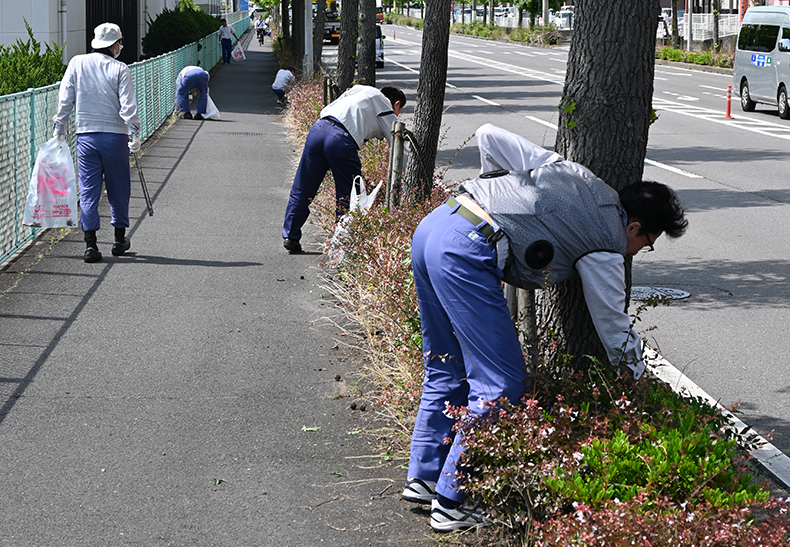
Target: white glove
(57, 133)
(134, 144)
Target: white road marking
(647, 161)
(403, 66)
(485, 100)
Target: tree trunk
(418, 180)
(367, 42)
(603, 124)
(675, 37)
(286, 22)
(297, 39)
(716, 5)
(347, 49)
(318, 35)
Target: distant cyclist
(261, 27)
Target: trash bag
(361, 202)
(212, 112)
(238, 53)
(52, 195)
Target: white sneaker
(467, 515)
(419, 491)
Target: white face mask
(115, 55)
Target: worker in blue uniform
(192, 77)
(99, 89)
(361, 113)
(534, 219)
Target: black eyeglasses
(650, 248)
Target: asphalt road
(729, 335)
(186, 394)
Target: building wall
(44, 17)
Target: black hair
(655, 206)
(292, 69)
(394, 95)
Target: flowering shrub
(595, 441)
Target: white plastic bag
(212, 112)
(361, 202)
(52, 195)
(238, 53)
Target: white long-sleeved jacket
(99, 89)
(365, 113)
(602, 273)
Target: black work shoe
(198, 116)
(292, 245)
(187, 115)
(92, 255)
(119, 248)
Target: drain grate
(243, 134)
(643, 293)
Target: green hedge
(173, 29)
(23, 65)
(724, 60)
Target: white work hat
(106, 35)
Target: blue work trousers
(194, 79)
(227, 47)
(103, 155)
(328, 146)
(470, 346)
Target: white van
(762, 58)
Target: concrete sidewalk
(186, 394)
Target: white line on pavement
(485, 100)
(647, 161)
(403, 66)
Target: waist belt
(336, 122)
(486, 229)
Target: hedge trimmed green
(23, 65)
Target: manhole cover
(643, 293)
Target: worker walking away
(99, 89)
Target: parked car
(379, 15)
(761, 71)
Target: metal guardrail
(26, 124)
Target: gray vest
(556, 213)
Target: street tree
(418, 179)
(366, 70)
(318, 35)
(347, 49)
(604, 117)
(285, 27)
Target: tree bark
(347, 49)
(367, 42)
(297, 40)
(604, 120)
(286, 22)
(418, 180)
(318, 35)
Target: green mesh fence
(26, 124)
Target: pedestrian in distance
(225, 32)
(333, 142)
(534, 218)
(192, 77)
(99, 89)
(260, 27)
(283, 80)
